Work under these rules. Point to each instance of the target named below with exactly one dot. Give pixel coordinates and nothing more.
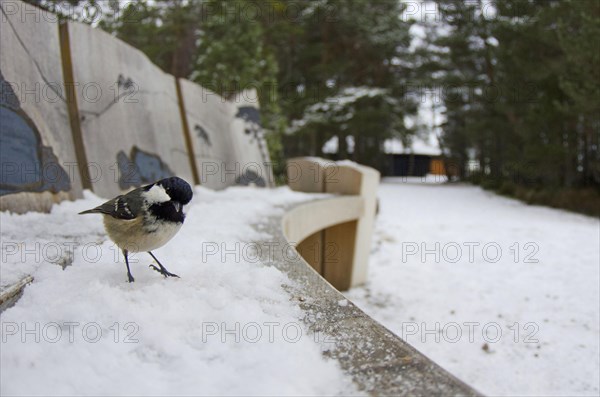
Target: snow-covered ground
(503, 295)
(226, 327)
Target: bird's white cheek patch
(157, 194)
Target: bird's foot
(164, 271)
(130, 278)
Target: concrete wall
(249, 144)
(129, 111)
(209, 119)
(81, 109)
(36, 149)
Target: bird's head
(168, 196)
(177, 189)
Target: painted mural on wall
(27, 165)
(140, 168)
(209, 117)
(251, 178)
(251, 117)
(129, 114)
(203, 135)
(124, 90)
(205, 142)
(125, 102)
(252, 128)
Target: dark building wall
(409, 165)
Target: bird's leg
(163, 270)
(129, 276)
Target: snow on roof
(391, 146)
(418, 146)
(334, 108)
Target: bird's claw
(164, 272)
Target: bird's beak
(177, 206)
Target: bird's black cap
(178, 189)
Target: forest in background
(516, 82)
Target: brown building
(420, 159)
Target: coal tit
(146, 218)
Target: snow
(426, 146)
(331, 146)
(541, 292)
(226, 327)
(337, 108)
(346, 97)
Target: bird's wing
(126, 206)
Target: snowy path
(537, 299)
(226, 327)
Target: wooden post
(71, 99)
(186, 133)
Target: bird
(146, 218)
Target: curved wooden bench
(379, 362)
(334, 236)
